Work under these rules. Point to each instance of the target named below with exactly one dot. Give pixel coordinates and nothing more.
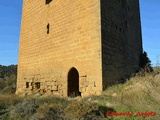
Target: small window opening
(48, 28)
(27, 84)
(126, 24)
(128, 8)
(37, 85)
(120, 29)
(124, 3)
(48, 1)
(116, 27)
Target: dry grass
(140, 93)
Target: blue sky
(10, 19)
(150, 21)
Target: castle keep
(77, 47)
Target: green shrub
(145, 62)
(2, 84)
(8, 78)
(23, 110)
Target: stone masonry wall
(56, 37)
(121, 39)
(96, 41)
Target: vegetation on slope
(8, 76)
(139, 96)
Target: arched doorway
(73, 83)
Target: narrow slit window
(48, 1)
(126, 24)
(48, 28)
(27, 84)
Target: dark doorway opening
(73, 83)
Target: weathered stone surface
(121, 39)
(77, 46)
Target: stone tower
(77, 47)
